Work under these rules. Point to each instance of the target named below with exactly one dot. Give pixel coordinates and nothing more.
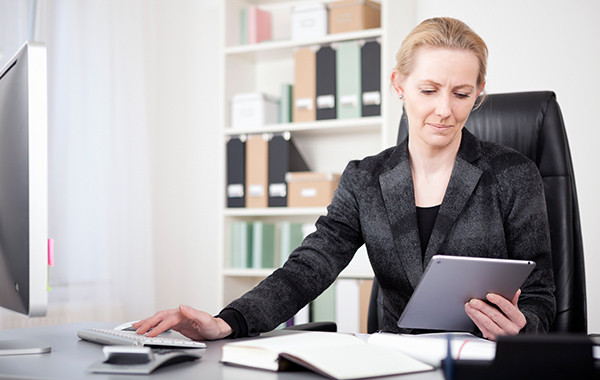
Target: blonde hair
(441, 32)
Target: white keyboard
(130, 338)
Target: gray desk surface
(71, 356)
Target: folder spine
(257, 152)
(326, 83)
(284, 157)
(305, 87)
(348, 80)
(236, 171)
(258, 24)
(285, 104)
(371, 78)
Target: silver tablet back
(438, 302)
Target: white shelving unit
(326, 145)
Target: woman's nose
(443, 108)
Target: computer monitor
(23, 187)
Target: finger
(145, 325)
(484, 323)
(513, 320)
(515, 299)
(168, 322)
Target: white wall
(183, 48)
(548, 45)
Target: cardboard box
(253, 110)
(309, 189)
(309, 21)
(352, 15)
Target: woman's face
(439, 95)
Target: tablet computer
(438, 302)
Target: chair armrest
(314, 326)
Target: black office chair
(532, 123)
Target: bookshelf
(326, 145)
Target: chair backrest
(532, 123)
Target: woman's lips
(439, 126)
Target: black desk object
(527, 357)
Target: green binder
(241, 245)
(243, 26)
(263, 245)
(290, 237)
(322, 309)
(285, 104)
(348, 80)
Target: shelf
(276, 211)
(270, 50)
(235, 272)
(260, 273)
(342, 126)
(327, 145)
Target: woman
(440, 191)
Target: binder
(241, 244)
(290, 238)
(322, 309)
(305, 87)
(283, 157)
(236, 171)
(244, 26)
(263, 245)
(285, 105)
(371, 78)
(326, 88)
(348, 80)
(257, 165)
(259, 24)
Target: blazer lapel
(463, 181)
(399, 198)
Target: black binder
(371, 78)
(236, 171)
(283, 157)
(326, 86)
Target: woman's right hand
(194, 324)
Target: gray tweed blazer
(494, 206)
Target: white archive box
(253, 110)
(309, 21)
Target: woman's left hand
(506, 319)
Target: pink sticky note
(50, 252)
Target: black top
(425, 220)
(236, 321)
(375, 205)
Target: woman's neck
(431, 170)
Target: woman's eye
(462, 95)
(427, 92)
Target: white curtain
(100, 198)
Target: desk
(71, 356)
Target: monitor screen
(23, 182)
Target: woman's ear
(396, 83)
(480, 89)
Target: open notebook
(338, 356)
